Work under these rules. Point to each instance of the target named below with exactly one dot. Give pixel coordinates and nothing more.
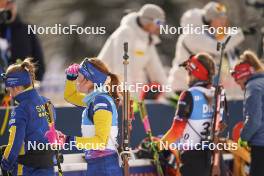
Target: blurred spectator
(214, 15)
(140, 29)
(15, 42)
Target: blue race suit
(28, 125)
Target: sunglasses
(156, 21)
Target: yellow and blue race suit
(99, 129)
(28, 125)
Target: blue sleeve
(252, 113)
(102, 103)
(17, 130)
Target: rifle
(50, 119)
(127, 113)
(145, 121)
(218, 110)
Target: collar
(26, 94)
(198, 83)
(209, 92)
(90, 96)
(254, 76)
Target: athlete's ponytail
(30, 67)
(207, 61)
(113, 83)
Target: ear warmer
(196, 68)
(241, 71)
(20, 78)
(91, 73)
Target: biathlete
(192, 122)
(249, 75)
(28, 124)
(85, 86)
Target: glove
(72, 72)
(242, 143)
(6, 165)
(54, 136)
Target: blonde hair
(252, 59)
(26, 65)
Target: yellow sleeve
(71, 94)
(11, 140)
(102, 124)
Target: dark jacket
(253, 131)
(23, 45)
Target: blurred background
(61, 50)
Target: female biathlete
(193, 117)
(28, 125)
(86, 87)
(249, 75)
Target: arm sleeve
(183, 112)
(252, 113)
(102, 123)
(175, 132)
(155, 68)
(16, 138)
(185, 105)
(71, 94)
